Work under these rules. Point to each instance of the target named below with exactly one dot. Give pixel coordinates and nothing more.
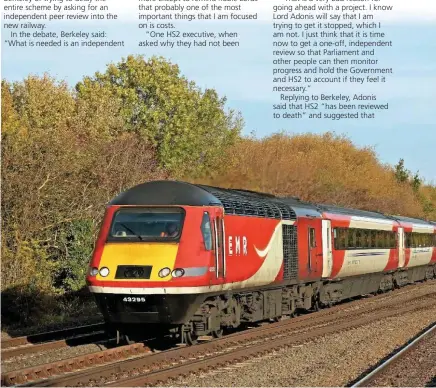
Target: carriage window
(353, 238)
(147, 224)
(359, 238)
(341, 237)
(384, 239)
(366, 238)
(420, 240)
(388, 239)
(408, 240)
(417, 240)
(393, 239)
(373, 239)
(380, 239)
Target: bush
(55, 186)
(324, 168)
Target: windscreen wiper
(131, 231)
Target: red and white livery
(197, 259)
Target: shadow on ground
(25, 312)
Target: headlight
(164, 272)
(178, 272)
(104, 271)
(93, 271)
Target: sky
(407, 130)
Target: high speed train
(195, 260)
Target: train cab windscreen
(147, 224)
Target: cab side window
(206, 231)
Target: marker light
(164, 272)
(104, 271)
(93, 271)
(178, 272)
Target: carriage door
(401, 253)
(220, 249)
(327, 255)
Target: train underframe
(187, 317)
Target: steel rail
(368, 378)
(213, 361)
(105, 362)
(301, 326)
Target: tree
(97, 112)
(188, 128)
(43, 104)
(401, 173)
(10, 119)
(416, 182)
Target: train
(192, 260)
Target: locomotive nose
(137, 261)
(138, 243)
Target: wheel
(190, 338)
(128, 340)
(217, 333)
(124, 339)
(187, 336)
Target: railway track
(368, 379)
(221, 355)
(51, 340)
(151, 368)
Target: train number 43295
(134, 299)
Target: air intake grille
(252, 204)
(290, 254)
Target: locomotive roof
(165, 193)
(236, 201)
(241, 202)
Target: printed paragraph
(32, 23)
(326, 59)
(160, 22)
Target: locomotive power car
(193, 260)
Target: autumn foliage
(66, 152)
(324, 168)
